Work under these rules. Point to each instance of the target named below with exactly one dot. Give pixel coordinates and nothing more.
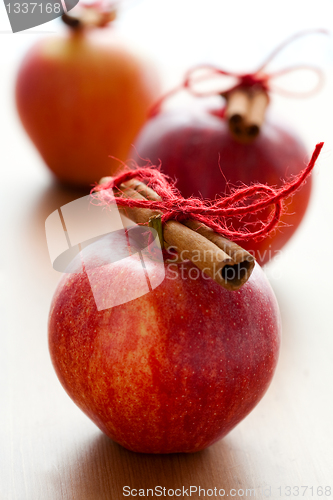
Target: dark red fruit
(196, 148)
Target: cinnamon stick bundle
(245, 112)
(222, 260)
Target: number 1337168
(29, 8)
(295, 491)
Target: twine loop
(216, 213)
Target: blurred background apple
(82, 97)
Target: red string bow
(214, 213)
(259, 79)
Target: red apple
(196, 148)
(82, 97)
(173, 370)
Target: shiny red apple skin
(83, 97)
(172, 371)
(196, 148)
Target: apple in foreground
(196, 148)
(173, 370)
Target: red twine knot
(213, 213)
(260, 79)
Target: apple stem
(72, 22)
(89, 17)
(155, 222)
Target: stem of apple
(71, 21)
(155, 222)
(89, 17)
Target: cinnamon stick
(237, 253)
(209, 252)
(256, 113)
(238, 103)
(245, 112)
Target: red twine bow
(259, 80)
(212, 213)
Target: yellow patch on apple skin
(129, 369)
(61, 48)
(54, 48)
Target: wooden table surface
(49, 450)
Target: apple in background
(82, 97)
(196, 148)
(173, 370)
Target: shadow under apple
(104, 468)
